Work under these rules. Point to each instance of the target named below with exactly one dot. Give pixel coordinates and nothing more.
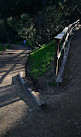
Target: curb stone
(32, 93)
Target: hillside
(40, 60)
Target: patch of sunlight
(2, 73)
(6, 81)
(16, 71)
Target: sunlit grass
(40, 60)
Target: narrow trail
(14, 101)
(20, 117)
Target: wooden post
(56, 62)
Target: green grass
(4, 47)
(52, 83)
(19, 43)
(40, 59)
(1, 48)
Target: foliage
(19, 43)
(1, 48)
(17, 7)
(48, 23)
(40, 59)
(24, 27)
(3, 32)
(37, 21)
(4, 47)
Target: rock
(22, 123)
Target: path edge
(21, 77)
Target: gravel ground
(61, 118)
(15, 102)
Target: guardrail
(62, 47)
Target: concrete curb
(32, 93)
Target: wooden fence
(62, 41)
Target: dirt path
(14, 101)
(62, 118)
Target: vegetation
(4, 47)
(20, 42)
(37, 22)
(1, 47)
(40, 59)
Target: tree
(3, 32)
(49, 22)
(24, 27)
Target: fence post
(57, 49)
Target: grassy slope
(40, 60)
